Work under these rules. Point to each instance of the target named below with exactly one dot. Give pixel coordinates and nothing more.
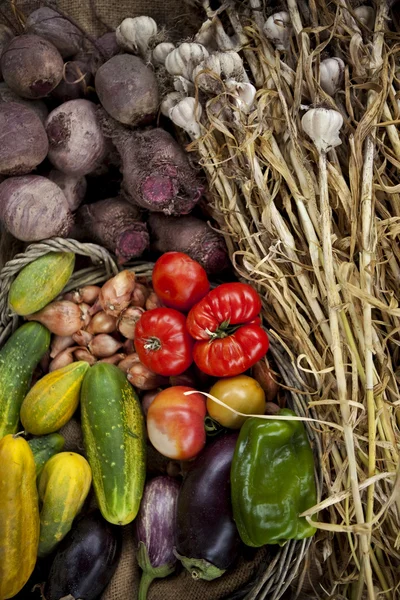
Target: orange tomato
(242, 393)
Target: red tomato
(227, 326)
(179, 281)
(162, 341)
(175, 423)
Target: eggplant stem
(145, 582)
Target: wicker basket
(274, 578)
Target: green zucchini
(114, 440)
(44, 447)
(18, 359)
(40, 282)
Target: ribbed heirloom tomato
(162, 341)
(175, 423)
(179, 281)
(226, 326)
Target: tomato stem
(223, 331)
(152, 344)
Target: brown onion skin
(139, 295)
(264, 376)
(61, 317)
(116, 293)
(144, 379)
(82, 338)
(128, 362)
(104, 345)
(85, 355)
(102, 323)
(60, 343)
(31, 66)
(128, 320)
(115, 359)
(153, 301)
(62, 359)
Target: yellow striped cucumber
(40, 282)
(19, 515)
(45, 447)
(18, 359)
(52, 401)
(63, 487)
(114, 439)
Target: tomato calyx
(223, 331)
(152, 344)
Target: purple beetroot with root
(157, 173)
(155, 531)
(115, 224)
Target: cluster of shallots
(97, 324)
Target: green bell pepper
(272, 481)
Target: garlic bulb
(161, 52)
(279, 30)
(183, 85)
(223, 65)
(170, 101)
(134, 34)
(243, 94)
(331, 74)
(323, 125)
(186, 114)
(366, 15)
(185, 58)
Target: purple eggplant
(155, 531)
(207, 541)
(86, 560)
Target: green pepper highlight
(272, 481)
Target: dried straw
(318, 236)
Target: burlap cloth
(181, 20)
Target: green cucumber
(114, 440)
(44, 447)
(40, 282)
(18, 359)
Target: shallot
(85, 355)
(104, 345)
(127, 321)
(102, 323)
(144, 379)
(116, 293)
(60, 343)
(61, 317)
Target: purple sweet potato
(34, 208)
(77, 143)
(157, 173)
(115, 224)
(50, 25)
(75, 82)
(32, 67)
(7, 95)
(128, 90)
(74, 188)
(193, 237)
(24, 141)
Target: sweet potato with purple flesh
(34, 208)
(157, 173)
(50, 25)
(74, 188)
(115, 224)
(77, 144)
(32, 67)
(24, 141)
(75, 82)
(193, 237)
(128, 90)
(38, 106)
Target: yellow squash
(63, 487)
(53, 400)
(19, 515)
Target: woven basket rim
(283, 569)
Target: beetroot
(34, 208)
(128, 89)
(32, 67)
(6, 36)
(77, 144)
(24, 141)
(74, 188)
(7, 95)
(157, 173)
(115, 224)
(191, 236)
(75, 82)
(108, 45)
(50, 25)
